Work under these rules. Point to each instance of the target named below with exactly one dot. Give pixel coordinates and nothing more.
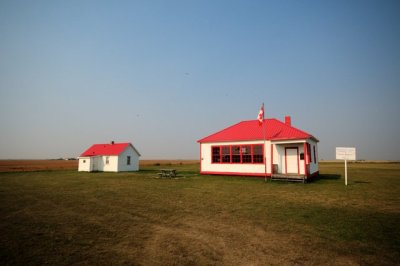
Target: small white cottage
(273, 149)
(112, 157)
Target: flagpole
(265, 148)
(264, 151)
(261, 119)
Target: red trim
(305, 163)
(234, 173)
(201, 157)
(272, 159)
(298, 162)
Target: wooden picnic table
(167, 173)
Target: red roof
(105, 149)
(251, 130)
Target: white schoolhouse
(274, 149)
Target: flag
(260, 116)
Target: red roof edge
(110, 149)
(247, 131)
(201, 140)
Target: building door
(95, 163)
(292, 160)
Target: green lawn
(66, 217)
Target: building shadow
(328, 177)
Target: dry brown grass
(66, 217)
(36, 165)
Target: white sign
(343, 153)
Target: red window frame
(238, 154)
(216, 157)
(309, 152)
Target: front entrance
(292, 160)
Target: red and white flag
(260, 116)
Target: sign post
(345, 172)
(345, 153)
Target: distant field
(40, 165)
(65, 217)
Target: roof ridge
(107, 149)
(111, 143)
(250, 130)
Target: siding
(122, 160)
(84, 164)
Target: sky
(163, 74)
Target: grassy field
(65, 217)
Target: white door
(95, 163)
(292, 160)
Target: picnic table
(167, 173)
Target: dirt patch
(209, 243)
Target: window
(226, 154)
(309, 152)
(238, 154)
(216, 154)
(315, 155)
(107, 160)
(84, 161)
(235, 154)
(258, 156)
(128, 160)
(246, 154)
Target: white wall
(122, 160)
(279, 155)
(314, 167)
(90, 164)
(84, 164)
(111, 166)
(247, 168)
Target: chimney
(112, 142)
(288, 120)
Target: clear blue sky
(163, 74)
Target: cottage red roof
(251, 130)
(105, 149)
